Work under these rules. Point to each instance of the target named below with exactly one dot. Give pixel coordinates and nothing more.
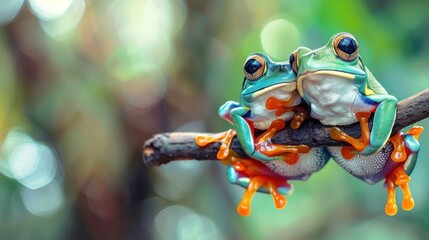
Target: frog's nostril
(285, 68)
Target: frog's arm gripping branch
(166, 147)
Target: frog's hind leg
(224, 137)
(398, 178)
(391, 208)
(265, 146)
(279, 200)
(406, 148)
(358, 144)
(256, 177)
(244, 206)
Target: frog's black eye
(293, 61)
(254, 67)
(346, 47)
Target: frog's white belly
(262, 117)
(334, 100)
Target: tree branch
(166, 147)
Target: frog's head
(264, 77)
(338, 58)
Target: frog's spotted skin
(340, 90)
(308, 163)
(370, 169)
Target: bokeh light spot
(144, 30)
(14, 137)
(33, 164)
(48, 9)
(9, 9)
(146, 91)
(179, 222)
(279, 38)
(65, 24)
(185, 177)
(43, 201)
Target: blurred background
(83, 83)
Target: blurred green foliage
(84, 83)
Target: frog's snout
(286, 87)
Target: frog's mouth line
(322, 72)
(290, 86)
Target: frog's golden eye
(254, 67)
(293, 61)
(346, 47)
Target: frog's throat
(322, 72)
(289, 86)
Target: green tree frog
(340, 90)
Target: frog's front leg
(288, 153)
(282, 106)
(359, 144)
(384, 118)
(224, 137)
(372, 141)
(263, 149)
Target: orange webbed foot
(244, 206)
(283, 106)
(391, 208)
(264, 145)
(398, 178)
(358, 144)
(224, 137)
(260, 176)
(398, 154)
(300, 116)
(280, 106)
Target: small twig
(166, 147)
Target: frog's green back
(373, 84)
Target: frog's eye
(293, 61)
(254, 67)
(346, 47)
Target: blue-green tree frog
(268, 99)
(340, 90)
